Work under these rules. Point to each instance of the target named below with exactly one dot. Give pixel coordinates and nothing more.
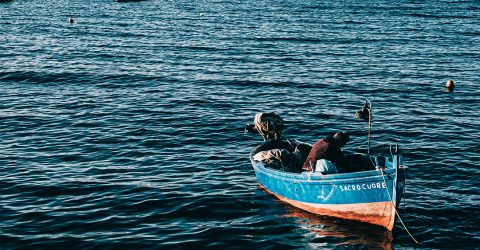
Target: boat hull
(368, 196)
(377, 213)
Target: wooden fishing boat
(371, 194)
(368, 196)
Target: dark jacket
(326, 149)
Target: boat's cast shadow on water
(320, 230)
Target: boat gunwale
(318, 178)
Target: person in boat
(326, 155)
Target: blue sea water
(124, 129)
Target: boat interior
(382, 157)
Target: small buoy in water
(450, 85)
(201, 14)
(71, 20)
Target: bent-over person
(330, 149)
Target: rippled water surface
(125, 128)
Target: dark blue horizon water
(125, 129)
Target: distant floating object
(450, 85)
(71, 20)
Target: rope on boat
(395, 209)
(405, 197)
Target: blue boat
(367, 196)
(370, 195)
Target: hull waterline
(376, 213)
(369, 196)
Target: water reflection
(322, 231)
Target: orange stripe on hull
(377, 213)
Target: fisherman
(328, 153)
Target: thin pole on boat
(366, 114)
(369, 123)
